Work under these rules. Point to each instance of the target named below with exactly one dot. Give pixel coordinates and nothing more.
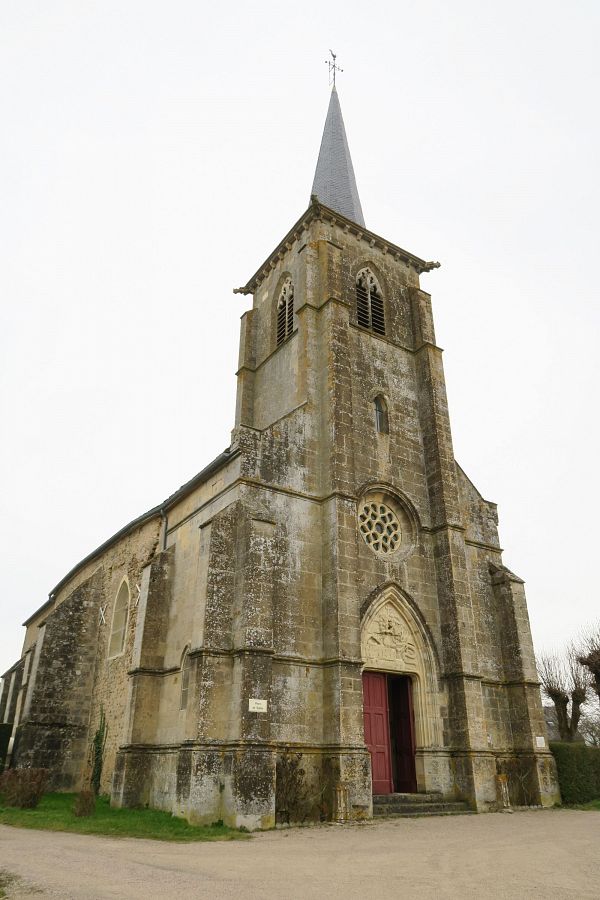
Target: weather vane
(333, 67)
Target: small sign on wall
(540, 742)
(257, 705)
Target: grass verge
(6, 879)
(55, 813)
(593, 804)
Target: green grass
(593, 804)
(55, 813)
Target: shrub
(521, 777)
(85, 804)
(290, 793)
(23, 787)
(98, 744)
(578, 769)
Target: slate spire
(334, 183)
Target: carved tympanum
(389, 638)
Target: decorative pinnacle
(333, 67)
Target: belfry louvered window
(285, 311)
(369, 302)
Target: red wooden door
(377, 730)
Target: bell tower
(389, 555)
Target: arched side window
(285, 311)
(369, 302)
(185, 678)
(382, 422)
(119, 621)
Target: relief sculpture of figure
(390, 633)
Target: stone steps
(431, 804)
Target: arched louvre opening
(285, 312)
(362, 304)
(369, 302)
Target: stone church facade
(322, 613)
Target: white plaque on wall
(257, 705)
(540, 741)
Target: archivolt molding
(400, 497)
(381, 495)
(366, 262)
(280, 283)
(124, 581)
(394, 639)
(379, 392)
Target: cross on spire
(333, 67)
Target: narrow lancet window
(369, 302)
(119, 621)
(285, 311)
(382, 422)
(185, 679)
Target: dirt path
(544, 854)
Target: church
(320, 622)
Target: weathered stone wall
(11, 688)
(74, 678)
(54, 732)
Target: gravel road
(534, 854)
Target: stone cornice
(262, 744)
(251, 744)
(288, 658)
(154, 671)
(317, 211)
(501, 574)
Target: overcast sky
(152, 154)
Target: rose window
(380, 527)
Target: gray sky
(154, 153)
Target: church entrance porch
(390, 732)
(400, 664)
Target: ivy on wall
(98, 745)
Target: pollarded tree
(589, 725)
(589, 655)
(567, 683)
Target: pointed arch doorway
(400, 712)
(390, 732)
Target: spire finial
(333, 67)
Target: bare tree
(589, 655)
(589, 725)
(566, 682)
